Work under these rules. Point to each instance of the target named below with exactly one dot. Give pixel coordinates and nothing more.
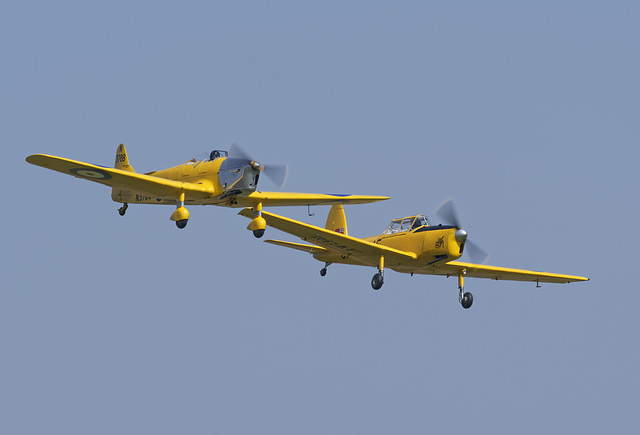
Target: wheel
(323, 271)
(377, 281)
(182, 223)
(258, 233)
(122, 211)
(467, 300)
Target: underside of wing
(151, 185)
(454, 268)
(367, 253)
(310, 249)
(281, 199)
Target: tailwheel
(377, 281)
(182, 223)
(323, 271)
(122, 210)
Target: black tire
(182, 223)
(323, 271)
(377, 281)
(258, 233)
(121, 211)
(467, 300)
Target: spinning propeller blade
(276, 173)
(448, 213)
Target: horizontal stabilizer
(311, 249)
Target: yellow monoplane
(408, 245)
(216, 179)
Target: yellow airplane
(408, 245)
(218, 180)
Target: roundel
(94, 174)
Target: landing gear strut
(181, 215)
(257, 224)
(465, 299)
(122, 210)
(378, 278)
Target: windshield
(420, 221)
(216, 154)
(406, 224)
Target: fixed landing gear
(378, 278)
(323, 271)
(377, 281)
(465, 299)
(257, 224)
(181, 215)
(122, 210)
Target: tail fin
(337, 221)
(122, 161)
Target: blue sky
(525, 113)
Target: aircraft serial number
(120, 158)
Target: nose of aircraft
(461, 235)
(276, 173)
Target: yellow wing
(453, 268)
(149, 184)
(279, 199)
(368, 253)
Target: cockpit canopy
(216, 154)
(407, 224)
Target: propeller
(276, 173)
(448, 213)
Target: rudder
(122, 160)
(337, 221)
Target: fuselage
(224, 177)
(430, 244)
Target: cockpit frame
(216, 154)
(403, 225)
